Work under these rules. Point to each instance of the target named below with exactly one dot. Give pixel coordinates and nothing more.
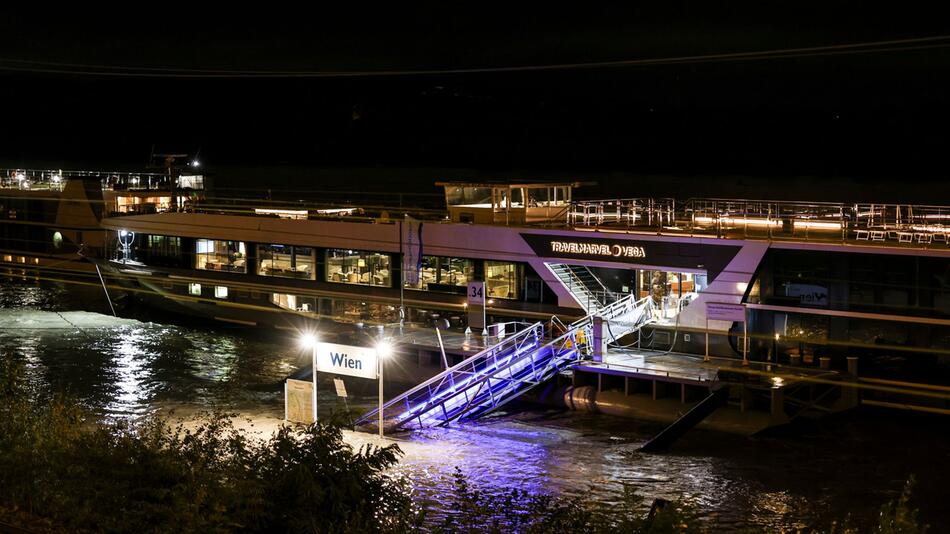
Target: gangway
(497, 375)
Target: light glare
(308, 340)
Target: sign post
(727, 311)
(476, 297)
(350, 360)
(314, 363)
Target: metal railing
(498, 374)
(438, 390)
(903, 224)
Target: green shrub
(149, 477)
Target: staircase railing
(626, 316)
(498, 374)
(609, 296)
(530, 371)
(456, 379)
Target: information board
(724, 311)
(298, 401)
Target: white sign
(723, 311)
(346, 360)
(340, 387)
(476, 293)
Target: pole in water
(109, 299)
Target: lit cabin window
(221, 292)
(502, 279)
(444, 274)
(216, 255)
(358, 267)
(286, 261)
(195, 289)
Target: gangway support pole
(706, 357)
(598, 338)
(745, 340)
(445, 361)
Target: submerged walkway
(678, 366)
(454, 340)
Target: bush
(149, 477)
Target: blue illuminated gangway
(500, 373)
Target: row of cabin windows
(435, 273)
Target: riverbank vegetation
(61, 471)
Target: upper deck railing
(55, 180)
(907, 225)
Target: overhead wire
(867, 47)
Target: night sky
(868, 116)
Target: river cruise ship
(812, 277)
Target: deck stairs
(586, 288)
(500, 373)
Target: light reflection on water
(126, 368)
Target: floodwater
(806, 476)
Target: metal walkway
(500, 373)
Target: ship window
(221, 292)
(213, 255)
(164, 247)
(441, 273)
(297, 303)
(286, 261)
(358, 267)
(502, 279)
(468, 196)
(194, 289)
(193, 181)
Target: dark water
(804, 477)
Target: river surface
(806, 476)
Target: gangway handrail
(497, 374)
(440, 378)
(558, 348)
